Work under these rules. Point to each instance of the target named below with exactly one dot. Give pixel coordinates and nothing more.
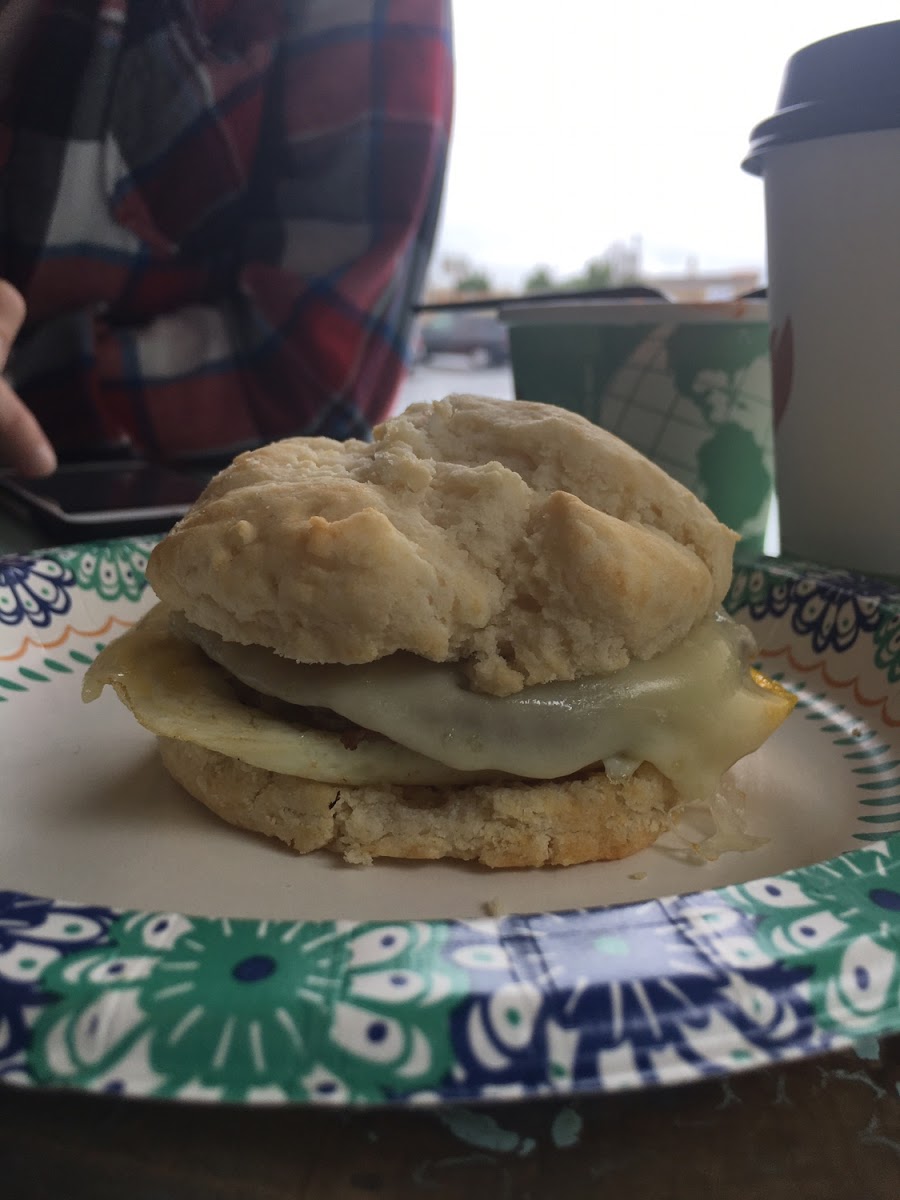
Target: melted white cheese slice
(175, 691)
(692, 711)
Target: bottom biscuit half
(505, 823)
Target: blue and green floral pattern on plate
(357, 1012)
(35, 589)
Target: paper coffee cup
(830, 159)
(689, 385)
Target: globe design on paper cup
(703, 412)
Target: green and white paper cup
(689, 385)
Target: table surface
(17, 535)
(826, 1128)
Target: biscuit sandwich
(494, 634)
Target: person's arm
(312, 337)
(23, 444)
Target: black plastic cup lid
(849, 83)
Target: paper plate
(148, 949)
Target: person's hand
(23, 444)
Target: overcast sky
(580, 123)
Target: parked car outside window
(479, 336)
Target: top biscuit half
(518, 538)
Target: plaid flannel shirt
(219, 213)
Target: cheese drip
(691, 711)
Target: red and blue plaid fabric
(220, 213)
